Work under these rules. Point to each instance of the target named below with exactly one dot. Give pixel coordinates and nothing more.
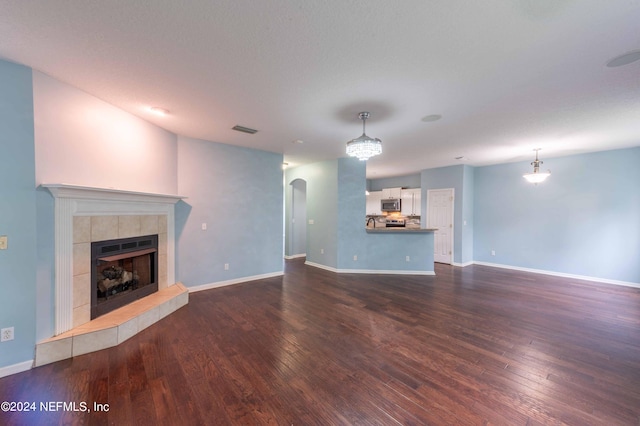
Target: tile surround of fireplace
(84, 215)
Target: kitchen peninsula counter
(392, 250)
(399, 230)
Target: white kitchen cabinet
(417, 201)
(411, 202)
(391, 193)
(373, 202)
(406, 206)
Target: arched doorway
(298, 220)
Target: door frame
(453, 215)
(297, 227)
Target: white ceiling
(507, 76)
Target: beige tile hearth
(113, 328)
(53, 351)
(94, 341)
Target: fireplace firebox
(122, 271)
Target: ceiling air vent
(244, 129)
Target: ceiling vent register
(243, 129)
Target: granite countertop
(399, 230)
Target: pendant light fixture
(537, 176)
(364, 147)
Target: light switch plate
(3, 242)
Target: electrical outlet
(226, 266)
(493, 252)
(204, 226)
(6, 334)
(408, 259)
(321, 251)
(3, 242)
(355, 257)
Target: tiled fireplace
(95, 229)
(88, 215)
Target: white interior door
(440, 216)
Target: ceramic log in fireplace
(122, 271)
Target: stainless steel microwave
(390, 205)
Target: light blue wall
(322, 202)
(375, 252)
(238, 193)
(388, 251)
(17, 213)
(352, 200)
(45, 281)
(584, 220)
(407, 181)
(336, 202)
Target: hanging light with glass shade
(364, 147)
(537, 176)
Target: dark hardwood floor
(474, 345)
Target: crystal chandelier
(364, 147)
(537, 176)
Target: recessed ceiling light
(159, 111)
(298, 141)
(625, 59)
(430, 118)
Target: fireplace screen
(122, 271)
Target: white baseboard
(234, 281)
(319, 265)
(16, 368)
(462, 265)
(560, 274)
(368, 271)
(295, 256)
(384, 272)
(393, 272)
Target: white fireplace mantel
(74, 200)
(62, 190)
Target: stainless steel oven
(395, 223)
